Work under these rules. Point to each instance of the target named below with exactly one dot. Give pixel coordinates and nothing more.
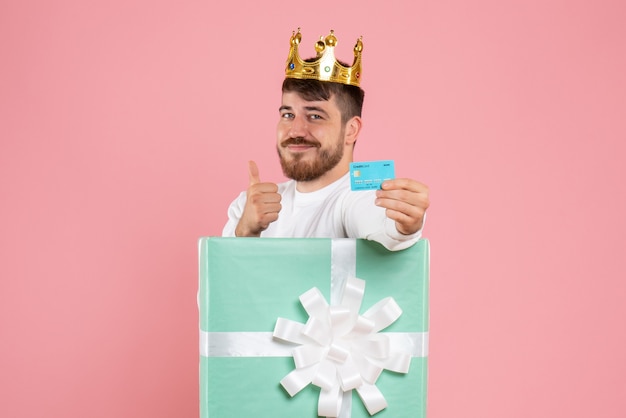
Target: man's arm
(364, 214)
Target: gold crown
(325, 67)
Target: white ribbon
(339, 350)
(261, 344)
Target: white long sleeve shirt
(331, 212)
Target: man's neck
(323, 181)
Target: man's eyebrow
(316, 109)
(307, 108)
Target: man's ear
(353, 128)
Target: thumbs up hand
(262, 205)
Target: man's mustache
(299, 141)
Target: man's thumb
(253, 172)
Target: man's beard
(299, 170)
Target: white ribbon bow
(340, 350)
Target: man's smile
(298, 145)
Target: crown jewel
(324, 67)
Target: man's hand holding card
(405, 200)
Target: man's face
(310, 137)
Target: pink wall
(125, 127)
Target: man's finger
(406, 184)
(253, 173)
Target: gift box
(252, 289)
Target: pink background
(125, 129)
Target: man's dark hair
(349, 98)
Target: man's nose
(298, 127)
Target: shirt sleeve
(234, 215)
(363, 219)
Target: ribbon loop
(307, 355)
(383, 313)
(313, 302)
(326, 376)
(329, 402)
(318, 330)
(298, 379)
(349, 375)
(288, 330)
(372, 398)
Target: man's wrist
(240, 231)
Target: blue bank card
(369, 175)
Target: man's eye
(315, 117)
(287, 115)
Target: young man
(320, 120)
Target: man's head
(318, 126)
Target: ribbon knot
(339, 350)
